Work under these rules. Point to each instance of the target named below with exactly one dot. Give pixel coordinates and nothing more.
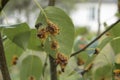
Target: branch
(3, 65)
(3, 3)
(77, 52)
(53, 68)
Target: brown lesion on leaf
(61, 60)
(80, 62)
(31, 78)
(52, 28)
(97, 51)
(14, 60)
(116, 73)
(42, 34)
(87, 68)
(108, 34)
(54, 45)
(59, 72)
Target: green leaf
(1, 28)
(34, 43)
(115, 32)
(31, 67)
(103, 64)
(11, 49)
(84, 56)
(117, 58)
(117, 66)
(66, 36)
(104, 72)
(19, 34)
(104, 42)
(80, 31)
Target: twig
(53, 67)
(99, 10)
(3, 65)
(77, 52)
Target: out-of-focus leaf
(66, 36)
(91, 48)
(34, 43)
(11, 49)
(1, 28)
(19, 34)
(115, 32)
(83, 56)
(31, 67)
(80, 43)
(117, 58)
(104, 42)
(117, 66)
(90, 60)
(80, 31)
(103, 73)
(103, 64)
(117, 14)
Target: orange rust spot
(52, 28)
(54, 45)
(62, 60)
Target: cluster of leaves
(20, 39)
(106, 62)
(23, 49)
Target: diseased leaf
(103, 64)
(31, 67)
(11, 49)
(66, 37)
